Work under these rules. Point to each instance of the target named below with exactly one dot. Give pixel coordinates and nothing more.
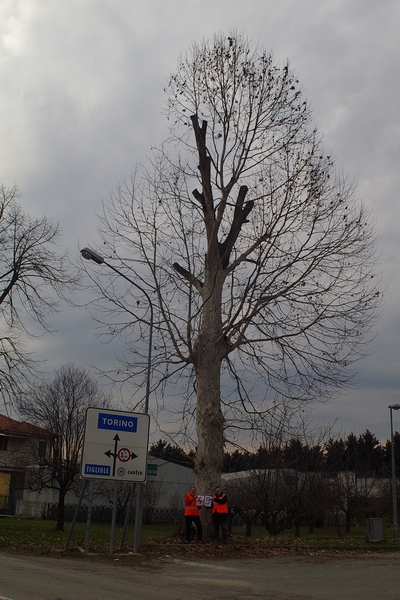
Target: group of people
(219, 509)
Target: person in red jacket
(192, 515)
(220, 515)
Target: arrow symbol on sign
(109, 453)
(133, 455)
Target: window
(15, 445)
(42, 449)
(3, 443)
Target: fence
(103, 514)
(100, 513)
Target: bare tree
(243, 499)
(125, 489)
(32, 275)
(153, 493)
(60, 407)
(255, 251)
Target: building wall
(14, 460)
(169, 483)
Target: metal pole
(89, 254)
(71, 529)
(114, 514)
(140, 490)
(394, 482)
(89, 518)
(128, 514)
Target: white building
(165, 487)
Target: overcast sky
(81, 96)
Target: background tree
(335, 455)
(388, 454)
(243, 500)
(106, 489)
(355, 463)
(307, 494)
(153, 492)
(371, 455)
(237, 461)
(32, 275)
(275, 491)
(60, 407)
(254, 249)
(362, 453)
(171, 452)
(351, 495)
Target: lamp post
(393, 407)
(89, 254)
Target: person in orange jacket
(192, 515)
(220, 515)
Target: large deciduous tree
(32, 276)
(255, 251)
(60, 407)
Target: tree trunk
(210, 422)
(348, 522)
(61, 505)
(208, 353)
(210, 438)
(297, 524)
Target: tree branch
(240, 215)
(188, 276)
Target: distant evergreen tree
(238, 461)
(388, 454)
(172, 453)
(362, 454)
(335, 455)
(371, 454)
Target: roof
(10, 426)
(255, 472)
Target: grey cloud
(81, 104)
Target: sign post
(115, 448)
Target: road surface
(312, 577)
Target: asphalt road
(313, 577)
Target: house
(16, 440)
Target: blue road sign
(116, 422)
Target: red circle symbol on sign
(124, 454)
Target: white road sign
(115, 445)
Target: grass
(327, 537)
(21, 534)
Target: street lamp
(89, 254)
(393, 407)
